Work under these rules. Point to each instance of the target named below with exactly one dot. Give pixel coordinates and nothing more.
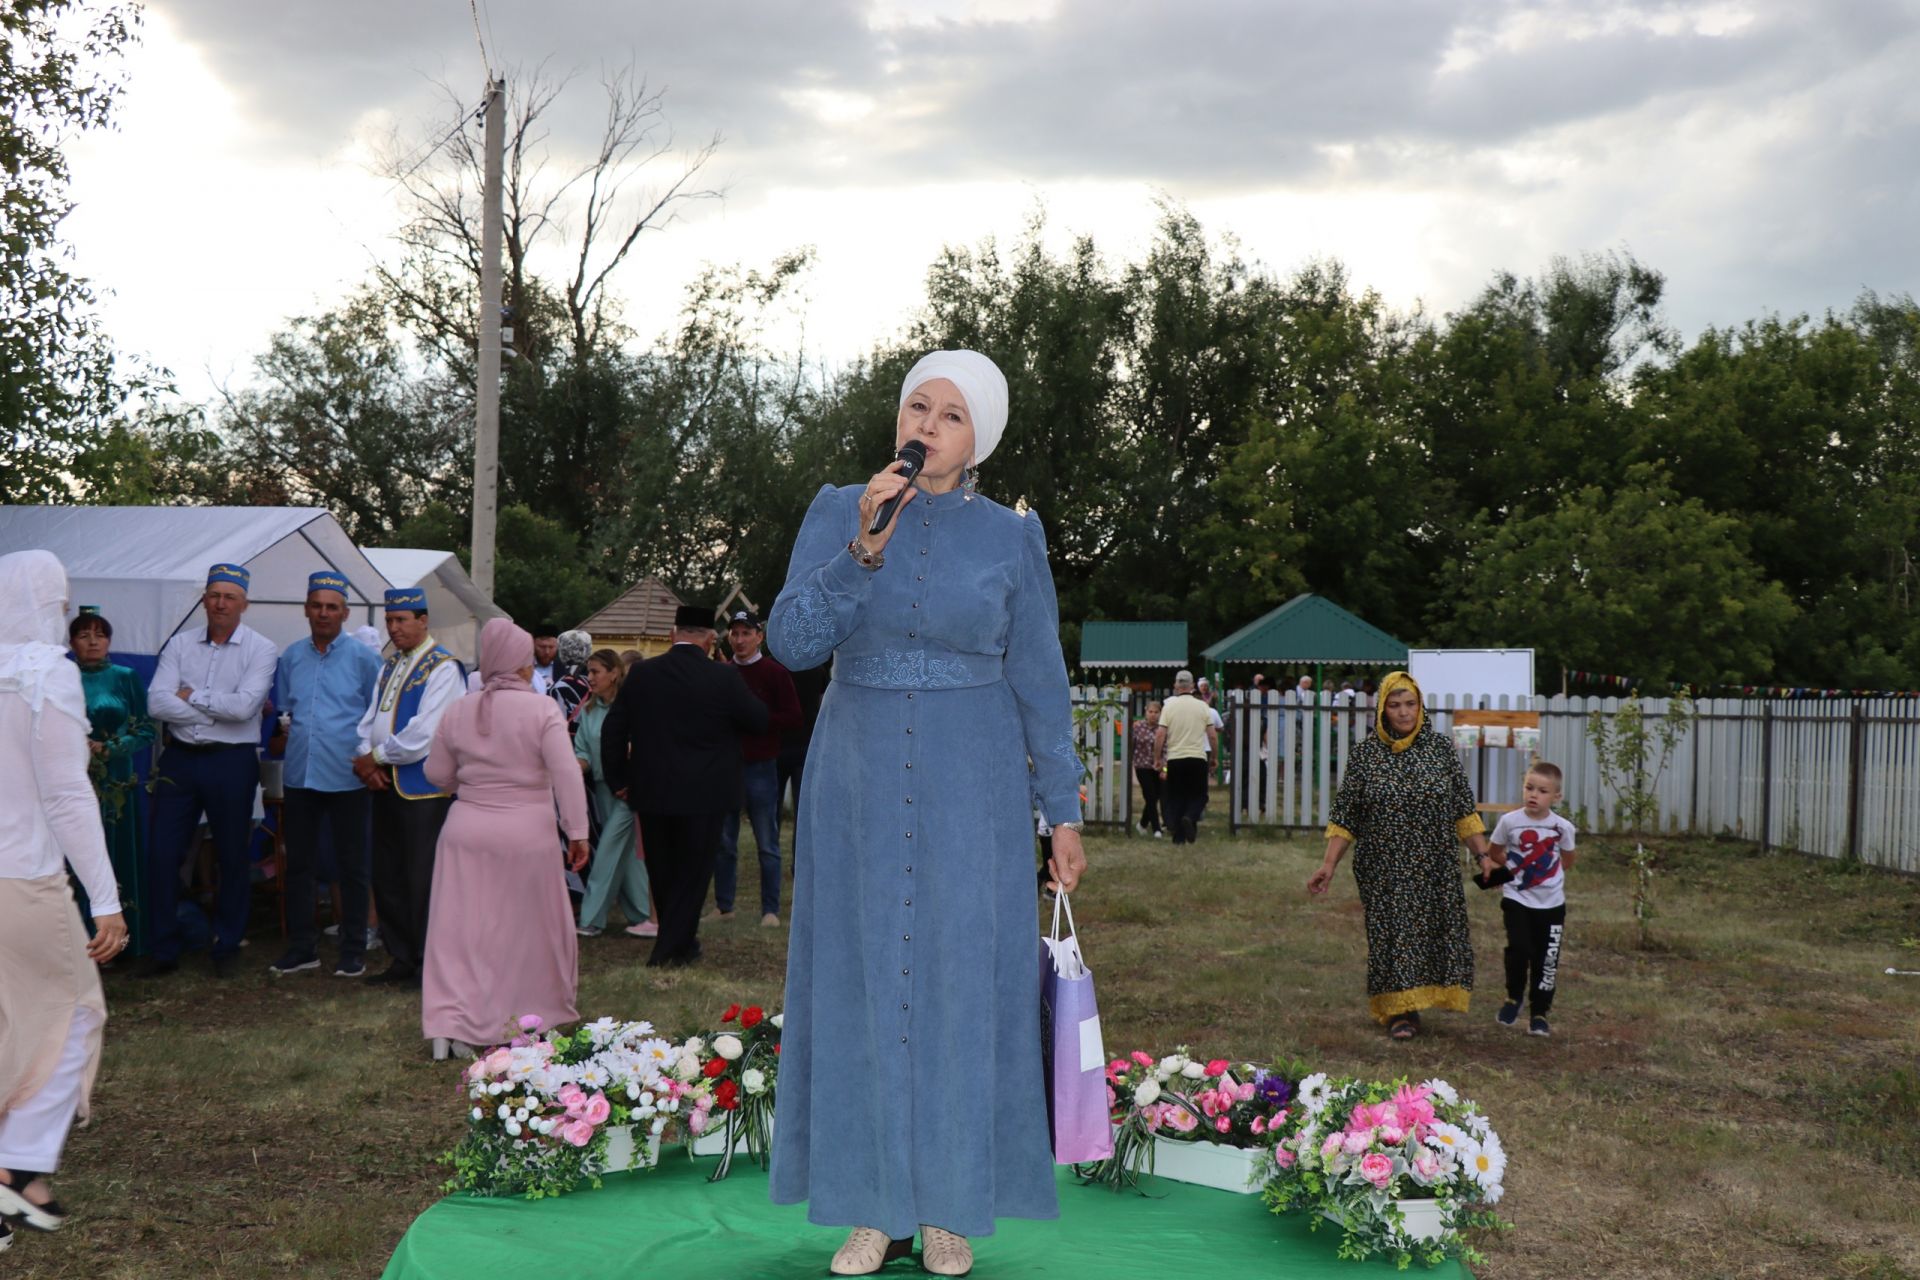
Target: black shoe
(1537, 1026)
(394, 976)
(227, 965)
(1509, 1013)
(157, 968)
(350, 969)
(293, 962)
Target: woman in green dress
(617, 870)
(1404, 805)
(117, 710)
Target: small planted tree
(1633, 750)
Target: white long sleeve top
(444, 687)
(230, 683)
(49, 814)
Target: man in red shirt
(760, 773)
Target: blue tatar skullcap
(327, 580)
(235, 573)
(410, 598)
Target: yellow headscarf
(1395, 681)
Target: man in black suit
(671, 749)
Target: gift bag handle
(1060, 904)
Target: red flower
(752, 1017)
(726, 1095)
(733, 1011)
(714, 1069)
(776, 1051)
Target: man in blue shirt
(323, 683)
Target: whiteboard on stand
(1476, 673)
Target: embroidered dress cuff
(1469, 826)
(1335, 829)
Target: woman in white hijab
(52, 1012)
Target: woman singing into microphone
(912, 962)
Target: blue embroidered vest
(410, 780)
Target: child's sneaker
(1509, 1013)
(1537, 1026)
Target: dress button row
(909, 868)
(906, 937)
(923, 551)
(909, 835)
(909, 764)
(909, 902)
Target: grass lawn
(1741, 1099)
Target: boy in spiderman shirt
(1532, 848)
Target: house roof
(1309, 628)
(1133, 644)
(644, 609)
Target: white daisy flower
(1444, 1137)
(1442, 1091)
(1313, 1093)
(1486, 1165)
(1476, 1124)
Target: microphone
(913, 456)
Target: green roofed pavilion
(1133, 644)
(1309, 629)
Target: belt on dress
(917, 669)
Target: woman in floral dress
(1404, 805)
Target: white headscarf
(33, 609)
(981, 384)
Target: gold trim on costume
(1471, 825)
(1387, 1006)
(1335, 829)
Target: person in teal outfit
(122, 731)
(617, 869)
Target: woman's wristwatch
(1069, 826)
(863, 557)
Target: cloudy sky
(1761, 154)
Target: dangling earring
(971, 484)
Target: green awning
(1133, 644)
(1310, 628)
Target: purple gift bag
(1076, 1059)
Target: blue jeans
(760, 780)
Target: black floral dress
(1407, 811)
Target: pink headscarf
(504, 650)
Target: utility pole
(486, 420)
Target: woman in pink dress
(500, 940)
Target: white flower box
(1242, 1170)
(629, 1148)
(714, 1141)
(1421, 1218)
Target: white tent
(146, 567)
(455, 605)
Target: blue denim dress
(910, 1087)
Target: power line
(428, 152)
(486, 63)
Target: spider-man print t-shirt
(1534, 854)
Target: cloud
(1759, 151)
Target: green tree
(1638, 580)
(59, 377)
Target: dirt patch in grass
(1741, 1099)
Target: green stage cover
(671, 1222)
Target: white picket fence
(1837, 777)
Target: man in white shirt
(417, 684)
(208, 688)
(546, 651)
